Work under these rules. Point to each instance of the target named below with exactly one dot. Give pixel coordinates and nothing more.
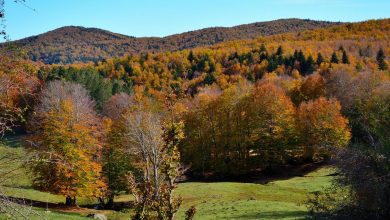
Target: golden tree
(322, 126)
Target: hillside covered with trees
(139, 123)
(78, 44)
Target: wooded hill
(231, 109)
(78, 44)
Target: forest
(143, 123)
(92, 44)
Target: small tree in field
(154, 147)
(166, 205)
(144, 135)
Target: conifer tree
(381, 59)
(279, 52)
(345, 58)
(320, 59)
(334, 58)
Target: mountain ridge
(71, 44)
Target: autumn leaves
(254, 127)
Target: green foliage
(116, 165)
(99, 87)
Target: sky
(165, 17)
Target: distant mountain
(78, 44)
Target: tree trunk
(107, 202)
(69, 201)
(110, 202)
(308, 155)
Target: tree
(155, 149)
(116, 162)
(268, 119)
(312, 88)
(279, 52)
(18, 86)
(345, 58)
(309, 65)
(64, 144)
(334, 58)
(381, 59)
(322, 126)
(144, 135)
(167, 205)
(117, 105)
(320, 59)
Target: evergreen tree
(381, 59)
(345, 58)
(309, 65)
(191, 56)
(264, 56)
(334, 58)
(279, 52)
(272, 63)
(320, 59)
(300, 57)
(209, 79)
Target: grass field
(222, 200)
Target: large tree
(322, 126)
(268, 118)
(64, 143)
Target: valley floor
(281, 199)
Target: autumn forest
(142, 124)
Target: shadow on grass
(62, 207)
(17, 187)
(273, 215)
(13, 141)
(282, 172)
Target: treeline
(189, 71)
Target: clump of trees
(364, 165)
(248, 127)
(77, 153)
(18, 86)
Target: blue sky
(166, 17)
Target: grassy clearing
(222, 200)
